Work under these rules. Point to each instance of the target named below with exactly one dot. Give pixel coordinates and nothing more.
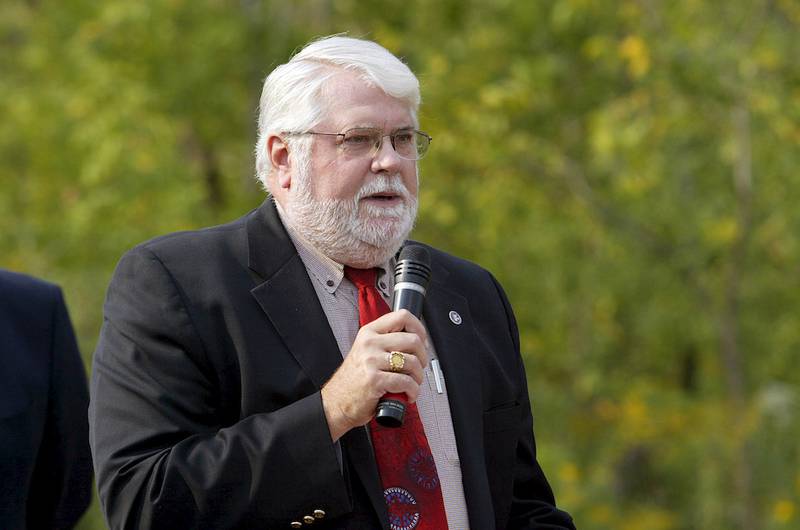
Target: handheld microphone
(411, 276)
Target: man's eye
(358, 139)
(403, 138)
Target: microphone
(411, 276)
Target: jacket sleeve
(164, 453)
(61, 484)
(533, 505)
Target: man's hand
(351, 395)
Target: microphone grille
(416, 253)
(413, 265)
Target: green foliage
(627, 170)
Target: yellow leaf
(569, 473)
(634, 50)
(783, 511)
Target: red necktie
(405, 464)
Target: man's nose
(386, 158)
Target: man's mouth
(383, 197)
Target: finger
(411, 366)
(408, 343)
(401, 320)
(397, 383)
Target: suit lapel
(288, 298)
(290, 302)
(456, 347)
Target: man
(45, 466)
(232, 386)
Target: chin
(384, 232)
(374, 242)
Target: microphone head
(413, 265)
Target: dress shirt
(339, 300)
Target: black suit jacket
(206, 408)
(45, 467)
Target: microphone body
(408, 296)
(411, 276)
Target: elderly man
(239, 367)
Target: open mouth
(383, 197)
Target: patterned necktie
(405, 464)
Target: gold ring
(397, 360)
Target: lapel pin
(455, 318)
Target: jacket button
(319, 514)
(296, 524)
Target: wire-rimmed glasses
(409, 144)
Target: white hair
(292, 99)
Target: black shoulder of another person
(22, 293)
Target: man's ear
(278, 152)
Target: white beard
(350, 233)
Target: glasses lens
(422, 141)
(358, 142)
(405, 144)
(410, 144)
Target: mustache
(383, 184)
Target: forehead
(350, 102)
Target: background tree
(626, 168)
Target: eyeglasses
(409, 144)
